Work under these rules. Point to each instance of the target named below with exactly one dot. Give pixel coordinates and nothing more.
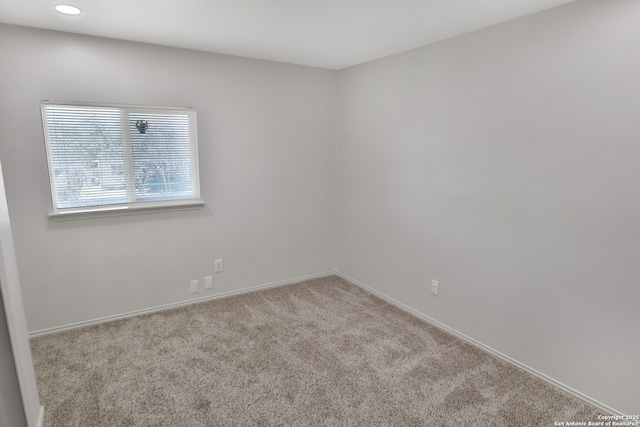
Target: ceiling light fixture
(67, 10)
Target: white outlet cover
(217, 265)
(434, 287)
(208, 282)
(195, 287)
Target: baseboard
(484, 347)
(177, 304)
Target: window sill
(120, 210)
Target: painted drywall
(267, 168)
(11, 408)
(505, 164)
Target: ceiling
(324, 33)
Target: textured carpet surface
(318, 353)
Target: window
(109, 157)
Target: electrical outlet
(195, 287)
(208, 282)
(217, 265)
(435, 287)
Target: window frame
(130, 206)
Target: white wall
(506, 165)
(267, 163)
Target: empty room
(278, 212)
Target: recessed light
(67, 9)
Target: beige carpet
(318, 353)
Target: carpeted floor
(318, 353)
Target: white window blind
(105, 157)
